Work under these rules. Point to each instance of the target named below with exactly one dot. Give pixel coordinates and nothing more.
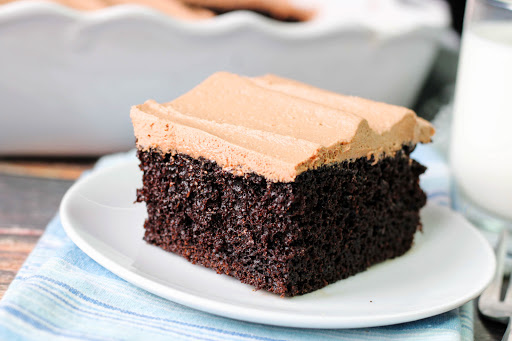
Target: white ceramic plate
(449, 264)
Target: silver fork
(490, 303)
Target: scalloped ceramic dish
(69, 77)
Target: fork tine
(493, 291)
(508, 295)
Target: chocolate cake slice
(284, 186)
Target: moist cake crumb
(237, 179)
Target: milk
(481, 152)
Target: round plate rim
(248, 314)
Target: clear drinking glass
(481, 146)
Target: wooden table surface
(30, 193)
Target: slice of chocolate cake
(284, 186)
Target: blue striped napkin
(62, 294)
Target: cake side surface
(289, 238)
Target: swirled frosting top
(274, 127)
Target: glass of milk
(481, 146)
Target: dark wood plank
(30, 193)
(53, 168)
(15, 245)
(29, 202)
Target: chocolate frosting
(273, 126)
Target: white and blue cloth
(62, 294)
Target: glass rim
(500, 3)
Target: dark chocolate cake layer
(289, 238)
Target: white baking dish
(68, 78)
